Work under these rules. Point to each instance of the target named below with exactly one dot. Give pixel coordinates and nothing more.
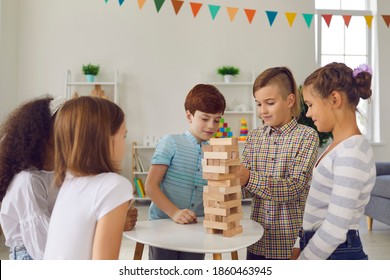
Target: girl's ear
(189, 116)
(336, 98)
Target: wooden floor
(376, 243)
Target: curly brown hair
(24, 137)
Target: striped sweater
(341, 186)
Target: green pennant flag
(214, 10)
(106, 1)
(159, 4)
(308, 19)
(271, 16)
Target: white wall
(160, 56)
(8, 55)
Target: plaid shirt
(281, 163)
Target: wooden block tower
(222, 195)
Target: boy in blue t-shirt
(175, 180)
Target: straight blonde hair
(82, 133)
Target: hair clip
(56, 104)
(362, 68)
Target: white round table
(194, 238)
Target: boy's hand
(131, 218)
(243, 173)
(295, 253)
(184, 216)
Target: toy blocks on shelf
(222, 195)
(243, 130)
(223, 130)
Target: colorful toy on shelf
(223, 130)
(243, 130)
(222, 195)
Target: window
(350, 44)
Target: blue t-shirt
(183, 182)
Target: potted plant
(90, 71)
(323, 136)
(228, 72)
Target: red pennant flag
(195, 7)
(177, 5)
(386, 18)
(250, 14)
(347, 19)
(327, 19)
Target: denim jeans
(19, 253)
(351, 249)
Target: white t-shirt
(26, 210)
(81, 202)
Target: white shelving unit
(142, 153)
(241, 94)
(69, 83)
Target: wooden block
(217, 176)
(223, 212)
(225, 148)
(224, 183)
(208, 148)
(216, 169)
(214, 162)
(232, 232)
(229, 162)
(222, 189)
(229, 204)
(224, 141)
(221, 197)
(216, 155)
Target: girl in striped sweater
(344, 175)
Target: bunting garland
(250, 13)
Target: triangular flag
(159, 4)
(327, 19)
(195, 7)
(386, 18)
(308, 19)
(232, 12)
(271, 16)
(250, 14)
(141, 3)
(347, 19)
(290, 18)
(106, 1)
(214, 10)
(120, 2)
(177, 5)
(369, 20)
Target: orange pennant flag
(232, 12)
(327, 19)
(141, 3)
(177, 5)
(195, 7)
(347, 19)
(290, 18)
(386, 18)
(369, 20)
(250, 14)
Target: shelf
(140, 173)
(232, 84)
(239, 112)
(144, 147)
(69, 83)
(91, 83)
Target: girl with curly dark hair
(26, 176)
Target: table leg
(217, 256)
(139, 248)
(234, 255)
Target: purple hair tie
(362, 68)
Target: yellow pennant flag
(290, 17)
(369, 20)
(232, 12)
(141, 3)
